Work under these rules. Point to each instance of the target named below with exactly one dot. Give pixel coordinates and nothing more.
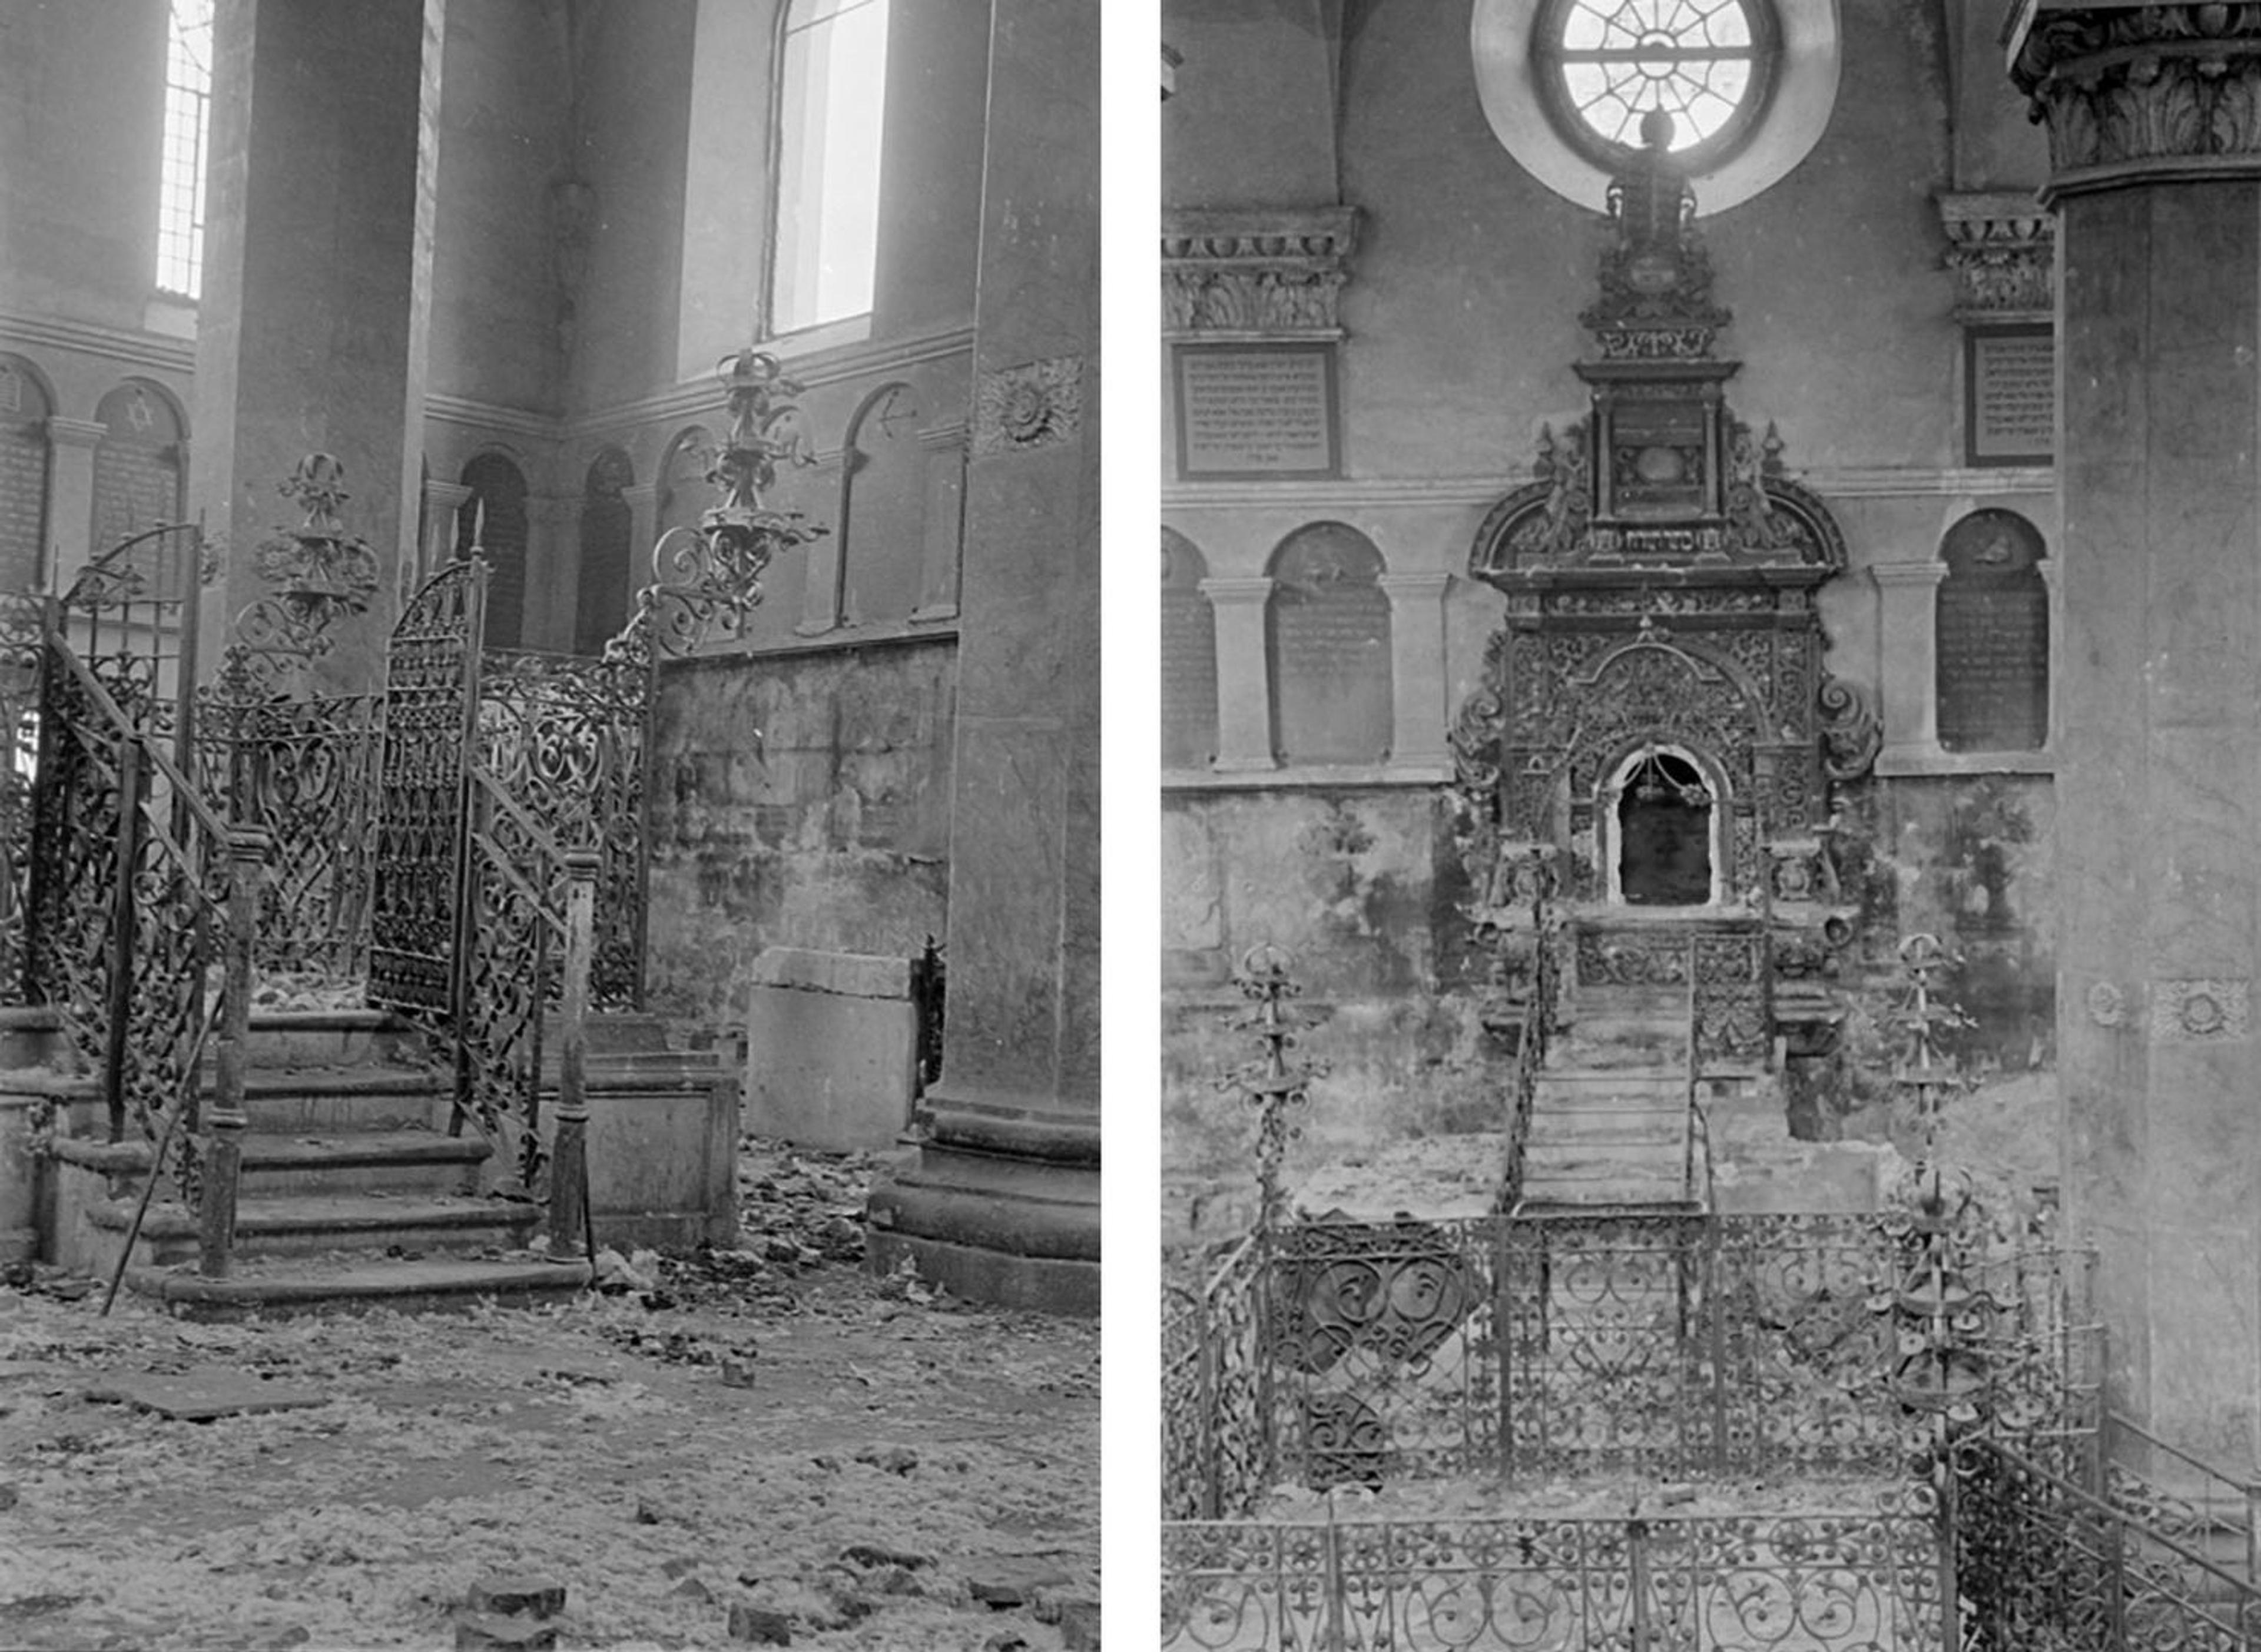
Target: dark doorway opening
(1664, 834)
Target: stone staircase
(354, 1191)
(1609, 1119)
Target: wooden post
(569, 1215)
(247, 862)
(132, 780)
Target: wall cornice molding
(125, 345)
(1452, 493)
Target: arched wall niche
(1327, 647)
(1188, 686)
(498, 514)
(882, 508)
(26, 402)
(606, 580)
(1990, 635)
(140, 467)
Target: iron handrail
(113, 713)
(1698, 1125)
(1530, 1051)
(2247, 1492)
(2244, 1592)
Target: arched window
(606, 556)
(1188, 657)
(496, 512)
(1990, 635)
(1327, 643)
(24, 410)
(188, 126)
(831, 104)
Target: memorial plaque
(1991, 636)
(2010, 378)
(23, 505)
(1188, 659)
(136, 486)
(1255, 412)
(1328, 630)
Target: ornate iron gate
(431, 704)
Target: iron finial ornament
(1277, 1088)
(708, 579)
(320, 572)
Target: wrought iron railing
(1535, 1031)
(305, 772)
(1668, 1345)
(2041, 1563)
(2183, 1497)
(1697, 1178)
(1851, 1579)
(1217, 1453)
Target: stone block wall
(798, 800)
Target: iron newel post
(247, 847)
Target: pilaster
(1244, 688)
(71, 444)
(1417, 668)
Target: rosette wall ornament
(708, 578)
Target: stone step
(1602, 1133)
(1586, 1192)
(329, 1037)
(330, 1100)
(276, 1287)
(297, 1224)
(1645, 1085)
(398, 1162)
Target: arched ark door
(1663, 837)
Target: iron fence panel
(1854, 1580)
(1381, 1350)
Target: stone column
(2155, 176)
(1907, 601)
(318, 259)
(643, 499)
(1244, 690)
(71, 444)
(1003, 1200)
(1417, 667)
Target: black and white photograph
(1710, 627)
(550, 875)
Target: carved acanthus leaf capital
(2002, 247)
(1272, 271)
(2135, 94)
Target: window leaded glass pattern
(188, 124)
(1609, 62)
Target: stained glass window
(188, 124)
(1704, 62)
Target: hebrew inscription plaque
(1256, 412)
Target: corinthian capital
(2141, 94)
(1275, 272)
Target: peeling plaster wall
(798, 801)
(1461, 315)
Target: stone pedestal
(1002, 1200)
(316, 287)
(2159, 767)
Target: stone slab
(204, 1393)
(849, 974)
(830, 1069)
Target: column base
(1001, 1205)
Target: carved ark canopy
(1660, 573)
